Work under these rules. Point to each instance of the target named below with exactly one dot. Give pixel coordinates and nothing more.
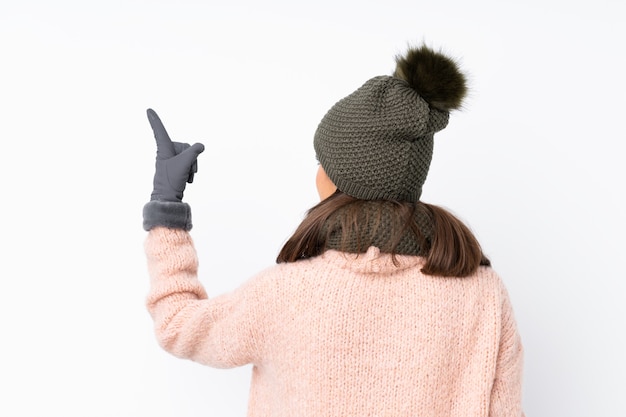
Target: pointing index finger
(165, 147)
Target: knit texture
(345, 335)
(377, 221)
(377, 143)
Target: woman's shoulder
(369, 265)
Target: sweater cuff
(172, 215)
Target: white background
(534, 163)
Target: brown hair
(452, 249)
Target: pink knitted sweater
(341, 335)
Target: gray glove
(176, 164)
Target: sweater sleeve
(506, 394)
(221, 332)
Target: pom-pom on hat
(377, 142)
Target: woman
(380, 304)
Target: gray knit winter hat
(377, 143)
